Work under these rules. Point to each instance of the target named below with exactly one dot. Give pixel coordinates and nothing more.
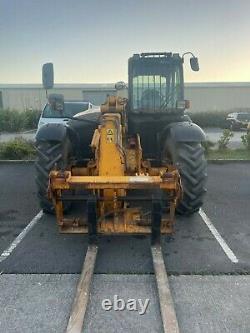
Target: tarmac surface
(27, 135)
(211, 292)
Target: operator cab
(156, 96)
(156, 82)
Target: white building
(218, 96)
(203, 96)
(26, 96)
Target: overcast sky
(91, 40)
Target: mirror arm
(188, 53)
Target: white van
(71, 108)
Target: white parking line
(6, 253)
(218, 237)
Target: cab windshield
(156, 93)
(70, 109)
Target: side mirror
(56, 102)
(48, 76)
(194, 64)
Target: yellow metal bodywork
(110, 160)
(116, 168)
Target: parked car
(237, 120)
(70, 109)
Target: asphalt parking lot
(27, 135)
(209, 271)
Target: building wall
(22, 99)
(218, 98)
(203, 97)
(97, 97)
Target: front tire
(190, 161)
(49, 154)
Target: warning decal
(110, 135)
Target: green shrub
(208, 145)
(14, 121)
(209, 118)
(17, 149)
(224, 139)
(31, 118)
(10, 121)
(245, 139)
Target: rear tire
(49, 154)
(191, 163)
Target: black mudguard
(184, 132)
(58, 133)
(80, 138)
(52, 132)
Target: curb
(29, 131)
(225, 161)
(16, 161)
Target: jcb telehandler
(134, 163)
